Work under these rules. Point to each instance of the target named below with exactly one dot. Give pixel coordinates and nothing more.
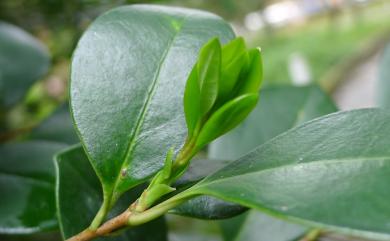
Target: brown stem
(107, 228)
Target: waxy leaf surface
(79, 195)
(332, 173)
(127, 83)
(23, 60)
(27, 203)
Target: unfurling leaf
(217, 83)
(226, 118)
(209, 70)
(251, 80)
(192, 101)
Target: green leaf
(280, 109)
(252, 78)
(57, 127)
(384, 80)
(23, 60)
(331, 173)
(256, 226)
(78, 195)
(226, 118)
(192, 101)
(209, 70)
(127, 82)
(234, 57)
(27, 203)
(231, 50)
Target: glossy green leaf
(226, 118)
(280, 109)
(192, 101)
(23, 60)
(331, 173)
(257, 226)
(252, 78)
(209, 70)
(27, 187)
(234, 57)
(57, 127)
(384, 79)
(231, 50)
(127, 82)
(78, 195)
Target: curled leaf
(234, 58)
(226, 118)
(251, 81)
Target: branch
(107, 228)
(131, 218)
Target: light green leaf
(331, 173)
(27, 203)
(251, 79)
(127, 82)
(226, 118)
(23, 60)
(209, 70)
(78, 195)
(57, 127)
(192, 101)
(384, 79)
(234, 57)
(231, 50)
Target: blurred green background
(303, 41)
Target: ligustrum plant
(151, 88)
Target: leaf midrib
(145, 106)
(204, 182)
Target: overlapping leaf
(79, 197)
(27, 187)
(127, 84)
(330, 173)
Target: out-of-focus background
(336, 43)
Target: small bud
(221, 90)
